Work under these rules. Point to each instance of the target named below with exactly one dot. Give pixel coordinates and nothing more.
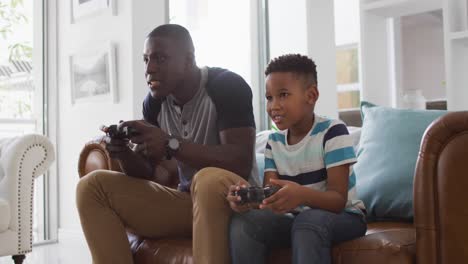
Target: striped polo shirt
(326, 145)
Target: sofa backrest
(351, 117)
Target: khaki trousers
(110, 202)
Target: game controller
(114, 132)
(255, 194)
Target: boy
(310, 159)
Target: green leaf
(11, 14)
(20, 51)
(24, 17)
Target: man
(201, 117)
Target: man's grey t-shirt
(223, 101)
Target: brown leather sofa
(352, 117)
(438, 234)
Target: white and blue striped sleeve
(338, 146)
(270, 164)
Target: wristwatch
(172, 146)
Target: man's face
(289, 101)
(165, 65)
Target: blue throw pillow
(389, 146)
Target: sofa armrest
(94, 156)
(440, 191)
(22, 159)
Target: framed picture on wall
(93, 75)
(85, 8)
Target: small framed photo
(93, 75)
(85, 8)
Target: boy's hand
(285, 199)
(234, 201)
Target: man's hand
(117, 148)
(234, 201)
(285, 199)
(150, 138)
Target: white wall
(423, 55)
(287, 27)
(385, 43)
(321, 47)
(80, 122)
(376, 66)
(307, 27)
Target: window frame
(349, 87)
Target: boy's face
(290, 99)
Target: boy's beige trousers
(111, 202)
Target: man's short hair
(175, 32)
(294, 63)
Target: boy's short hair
(295, 63)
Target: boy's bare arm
(268, 175)
(292, 194)
(335, 197)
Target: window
(347, 76)
(347, 34)
(21, 91)
(17, 96)
(220, 30)
(228, 34)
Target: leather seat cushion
(386, 242)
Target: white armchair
(21, 160)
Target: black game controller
(114, 132)
(255, 194)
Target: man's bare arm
(235, 153)
(135, 165)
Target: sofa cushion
(384, 243)
(355, 133)
(389, 145)
(4, 215)
(260, 158)
(261, 140)
(164, 251)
